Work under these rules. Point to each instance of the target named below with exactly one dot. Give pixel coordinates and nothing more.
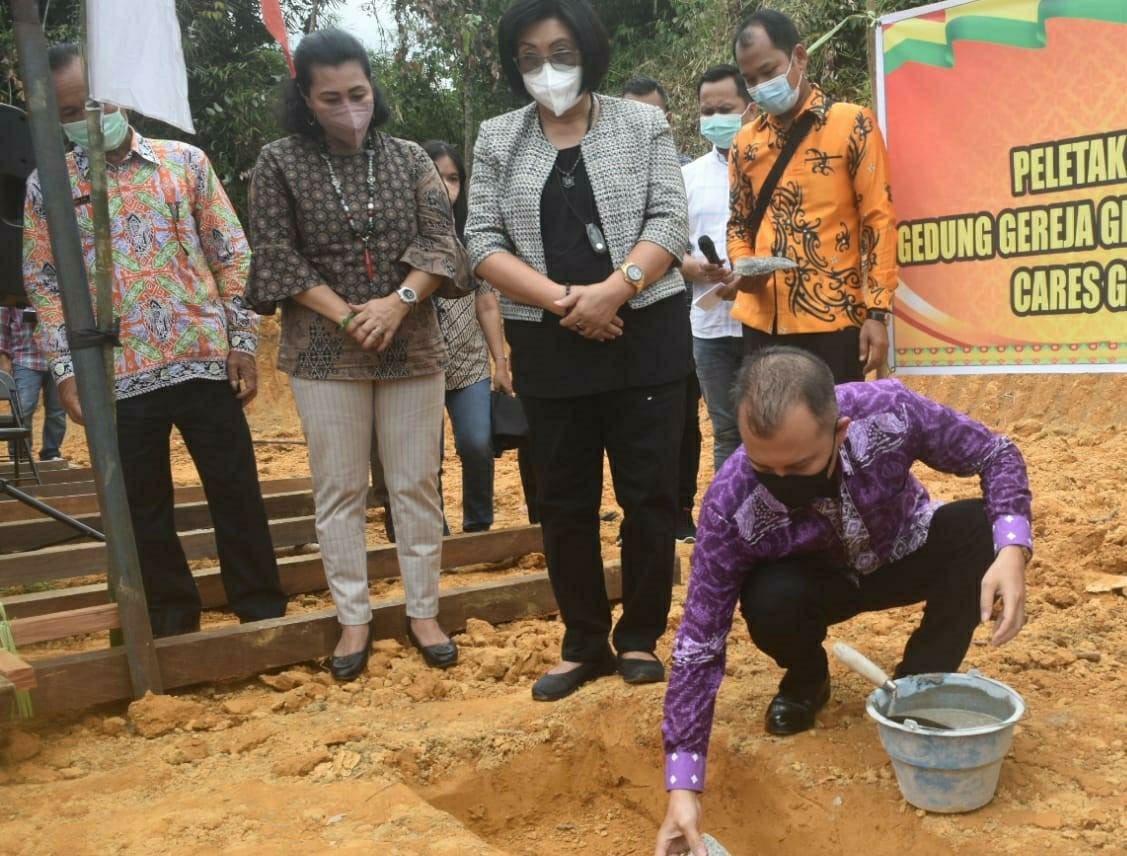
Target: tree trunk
(469, 91)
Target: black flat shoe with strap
(554, 687)
(440, 656)
(351, 666)
(636, 670)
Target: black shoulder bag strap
(798, 133)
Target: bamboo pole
(100, 205)
(90, 368)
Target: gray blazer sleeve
(485, 232)
(667, 209)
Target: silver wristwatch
(408, 295)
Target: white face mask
(556, 90)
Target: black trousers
(689, 467)
(213, 426)
(840, 349)
(640, 431)
(788, 604)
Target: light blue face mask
(776, 96)
(115, 127)
(720, 129)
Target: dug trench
(414, 762)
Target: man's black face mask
(796, 491)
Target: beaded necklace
(368, 234)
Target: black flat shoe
(787, 715)
(635, 671)
(555, 687)
(440, 656)
(351, 666)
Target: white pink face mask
(347, 122)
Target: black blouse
(564, 215)
(550, 361)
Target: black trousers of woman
(640, 431)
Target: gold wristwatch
(635, 276)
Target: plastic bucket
(948, 771)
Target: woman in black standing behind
(577, 216)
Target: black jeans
(840, 349)
(689, 467)
(213, 426)
(640, 430)
(788, 604)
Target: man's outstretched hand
(680, 831)
(1005, 580)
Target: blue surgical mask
(720, 129)
(776, 96)
(115, 127)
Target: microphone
(709, 250)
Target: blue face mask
(720, 129)
(776, 96)
(115, 127)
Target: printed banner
(1007, 130)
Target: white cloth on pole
(136, 60)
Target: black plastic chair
(14, 429)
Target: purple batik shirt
(883, 514)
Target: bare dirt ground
(410, 761)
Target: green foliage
(235, 72)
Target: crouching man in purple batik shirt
(820, 519)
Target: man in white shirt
(725, 105)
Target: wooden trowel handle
(862, 665)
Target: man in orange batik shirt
(830, 211)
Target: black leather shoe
(787, 715)
(555, 687)
(351, 666)
(440, 656)
(635, 671)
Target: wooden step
(299, 574)
(84, 499)
(35, 534)
(76, 560)
(76, 681)
(19, 673)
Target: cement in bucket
(949, 771)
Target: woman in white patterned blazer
(578, 217)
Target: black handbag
(510, 425)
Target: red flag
(276, 26)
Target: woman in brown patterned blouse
(352, 232)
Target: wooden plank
(52, 490)
(77, 681)
(8, 470)
(55, 476)
(302, 574)
(81, 499)
(35, 534)
(59, 563)
(60, 625)
(16, 671)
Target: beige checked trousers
(338, 419)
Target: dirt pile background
(411, 761)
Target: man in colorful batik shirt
(20, 357)
(818, 519)
(831, 211)
(187, 349)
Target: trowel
(715, 848)
(869, 670)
